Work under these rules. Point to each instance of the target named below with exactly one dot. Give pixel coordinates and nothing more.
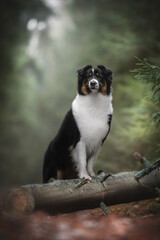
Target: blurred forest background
(42, 44)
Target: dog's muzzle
(93, 84)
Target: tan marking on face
(84, 89)
(104, 89)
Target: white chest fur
(91, 115)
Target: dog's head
(94, 80)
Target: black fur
(107, 73)
(82, 78)
(109, 123)
(57, 156)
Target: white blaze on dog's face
(93, 80)
(93, 83)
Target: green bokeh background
(42, 45)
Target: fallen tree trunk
(62, 196)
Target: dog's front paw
(92, 174)
(85, 176)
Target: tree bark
(61, 196)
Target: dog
(72, 153)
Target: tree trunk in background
(61, 196)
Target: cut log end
(19, 200)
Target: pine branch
(151, 75)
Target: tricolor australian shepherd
(71, 154)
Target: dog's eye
(97, 74)
(90, 74)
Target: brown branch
(143, 160)
(63, 196)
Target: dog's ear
(106, 71)
(108, 77)
(81, 71)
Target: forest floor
(136, 220)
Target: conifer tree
(151, 75)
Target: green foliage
(151, 75)
(38, 78)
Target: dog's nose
(93, 84)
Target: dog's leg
(79, 157)
(91, 163)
